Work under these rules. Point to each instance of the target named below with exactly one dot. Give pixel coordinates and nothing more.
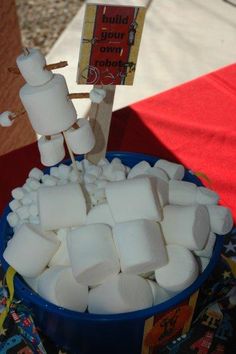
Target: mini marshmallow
(188, 226)
(133, 199)
(81, 140)
(221, 220)
(54, 171)
(93, 254)
(88, 178)
(14, 204)
(26, 200)
(5, 120)
(32, 68)
(103, 161)
(90, 187)
(173, 170)
(13, 219)
(182, 193)
(23, 212)
(140, 246)
(33, 210)
(36, 173)
(34, 220)
(49, 109)
(33, 183)
(34, 196)
(49, 180)
(26, 188)
(180, 272)
(97, 95)
(30, 250)
(94, 170)
(18, 193)
(122, 293)
(58, 286)
(64, 171)
(100, 214)
(73, 176)
(159, 294)
(139, 169)
(51, 151)
(61, 206)
(208, 248)
(157, 172)
(206, 196)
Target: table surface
(193, 124)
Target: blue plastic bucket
(84, 333)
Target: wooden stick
(58, 65)
(17, 114)
(78, 95)
(74, 164)
(61, 64)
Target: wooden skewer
(17, 114)
(61, 64)
(78, 95)
(74, 164)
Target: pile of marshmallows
(112, 239)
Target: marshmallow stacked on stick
(140, 236)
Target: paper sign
(110, 44)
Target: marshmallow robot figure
(51, 112)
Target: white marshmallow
(90, 187)
(33, 183)
(48, 107)
(33, 210)
(13, 219)
(36, 173)
(14, 204)
(100, 214)
(30, 250)
(203, 263)
(81, 140)
(51, 151)
(64, 171)
(139, 169)
(103, 161)
(206, 196)
(157, 172)
(93, 254)
(208, 248)
(94, 170)
(34, 196)
(73, 176)
(140, 246)
(187, 226)
(88, 178)
(5, 120)
(121, 293)
(32, 282)
(26, 188)
(26, 200)
(182, 193)
(99, 195)
(173, 170)
(23, 212)
(221, 220)
(49, 180)
(97, 95)
(162, 188)
(34, 220)
(180, 272)
(54, 172)
(58, 286)
(133, 199)
(18, 193)
(61, 257)
(159, 294)
(61, 206)
(32, 68)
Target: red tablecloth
(193, 123)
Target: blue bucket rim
(25, 292)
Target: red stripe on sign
(110, 53)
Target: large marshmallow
(162, 188)
(180, 272)
(182, 193)
(61, 206)
(100, 214)
(206, 196)
(5, 119)
(32, 68)
(48, 107)
(121, 293)
(157, 172)
(58, 286)
(188, 226)
(208, 248)
(159, 294)
(93, 254)
(61, 257)
(139, 169)
(51, 151)
(81, 140)
(134, 199)
(140, 246)
(30, 250)
(173, 170)
(221, 220)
